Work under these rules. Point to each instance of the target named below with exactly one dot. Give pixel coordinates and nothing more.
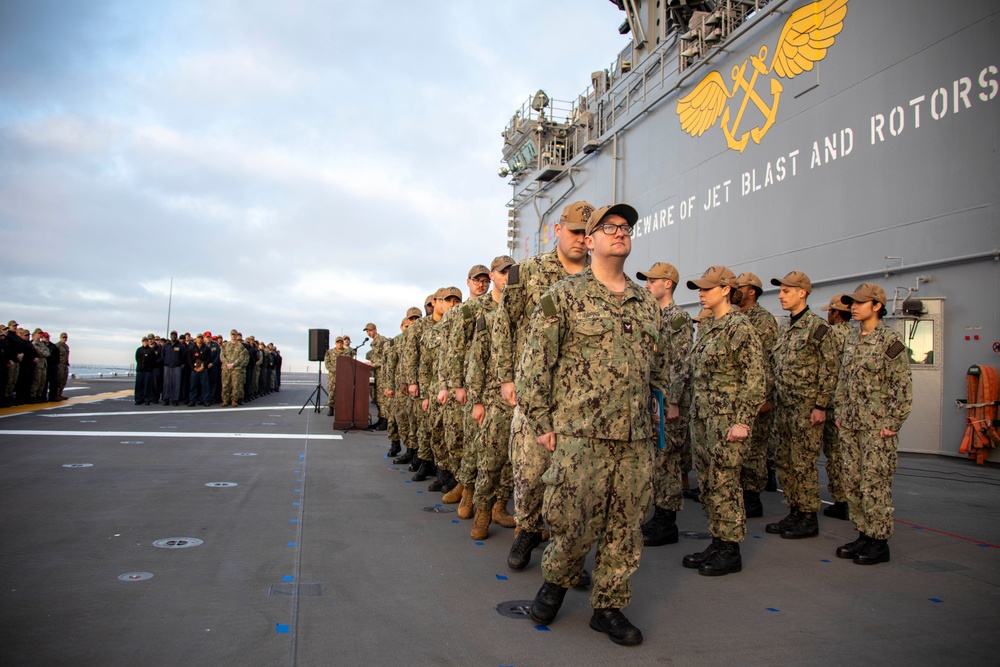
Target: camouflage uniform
(432, 425)
(380, 358)
(832, 448)
(588, 365)
(494, 478)
(805, 377)
(233, 379)
(399, 407)
(526, 282)
(454, 366)
(330, 362)
(727, 387)
(409, 361)
(63, 366)
(668, 470)
(874, 391)
(41, 368)
(761, 445)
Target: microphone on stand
(361, 344)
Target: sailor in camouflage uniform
(661, 280)
(234, 358)
(526, 282)
(492, 414)
(805, 377)
(459, 432)
(407, 369)
(432, 427)
(41, 366)
(330, 362)
(758, 466)
(378, 358)
(727, 387)
(839, 319)
(402, 402)
(584, 384)
(874, 397)
(63, 365)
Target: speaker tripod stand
(316, 396)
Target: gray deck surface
(376, 580)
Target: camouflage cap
(413, 312)
(502, 262)
(233, 331)
(150, 335)
(429, 301)
(338, 339)
(837, 304)
(448, 292)
(747, 279)
(12, 324)
(663, 270)
(624, 210)
(37, 330)
(403, 322)
(478, 270)
(794, 279)
(864, 293)
(144, 339)
(575, 216)
(368, 326)
(715, 276)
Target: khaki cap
(150, 335)
(624, 210)
(715, 276)
(478, 270)
(502, 262)
(660, 270)
(837, 304)
(430, 299)
(746, 279)
(233, 331)
(795, 279)
(12, 323)
(413, 312)
(370, 325)
(864, 293)
(338, 339)
(447, 292)
(575, 216)
(705, 314)
(37, 330)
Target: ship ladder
(982, 391)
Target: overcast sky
(290, 165)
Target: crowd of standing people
(33, 369)
(564, 384)
(204, 369)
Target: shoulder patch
(677, 323)
(512, 274)
(548, 306)
(895, 350)
(821, 331)
(466, 312)
(481, 323)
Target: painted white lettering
(878, 122)
(915, 103)
(779, 166)
(815, 160)
(830, 148)
(962, 93)
(768, 176)
(897, 121)
(846, 141)
(670, 214)
(746, 183)
(646, 222)
(792, 155)
(939, 103)
(988, 83)
(726, 186)
(687, 208)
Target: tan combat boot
(454, 495)
(465, 508)
(480, 526)
(500, 515)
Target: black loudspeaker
(319, 343)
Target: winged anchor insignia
(807, 35)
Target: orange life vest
(982, 392)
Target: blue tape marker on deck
(402, 472)
(500, 577)
(297, 491)
(298, 480)
(288, 577)
(756, 537)
(454, 520)
(302, 456)
(771, 609)
(935, 600)
(282, 628)
(296, 471)
(295, 503)
(419, 491)
(438, 505)
(478, 544)
(409, 481)
(291, 544)
(824, 560)
(293, 521)
(542, 628)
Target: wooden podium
(351, 407)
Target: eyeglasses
(611, 230)
(480, 281)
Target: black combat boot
(725, 560)
(876, 551)
(394, 447)
(772, 480)
(661, 528)
(613, 623)
(851, 548)
(547, 601)
(751, 504)
(694, 561)
(806, 526)
(837, 510)
(425, 470)
(784, 524)
(449, 483)
(329, 413)
(440, 481)
(520, 551)
(407, 456)
(584, 581)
